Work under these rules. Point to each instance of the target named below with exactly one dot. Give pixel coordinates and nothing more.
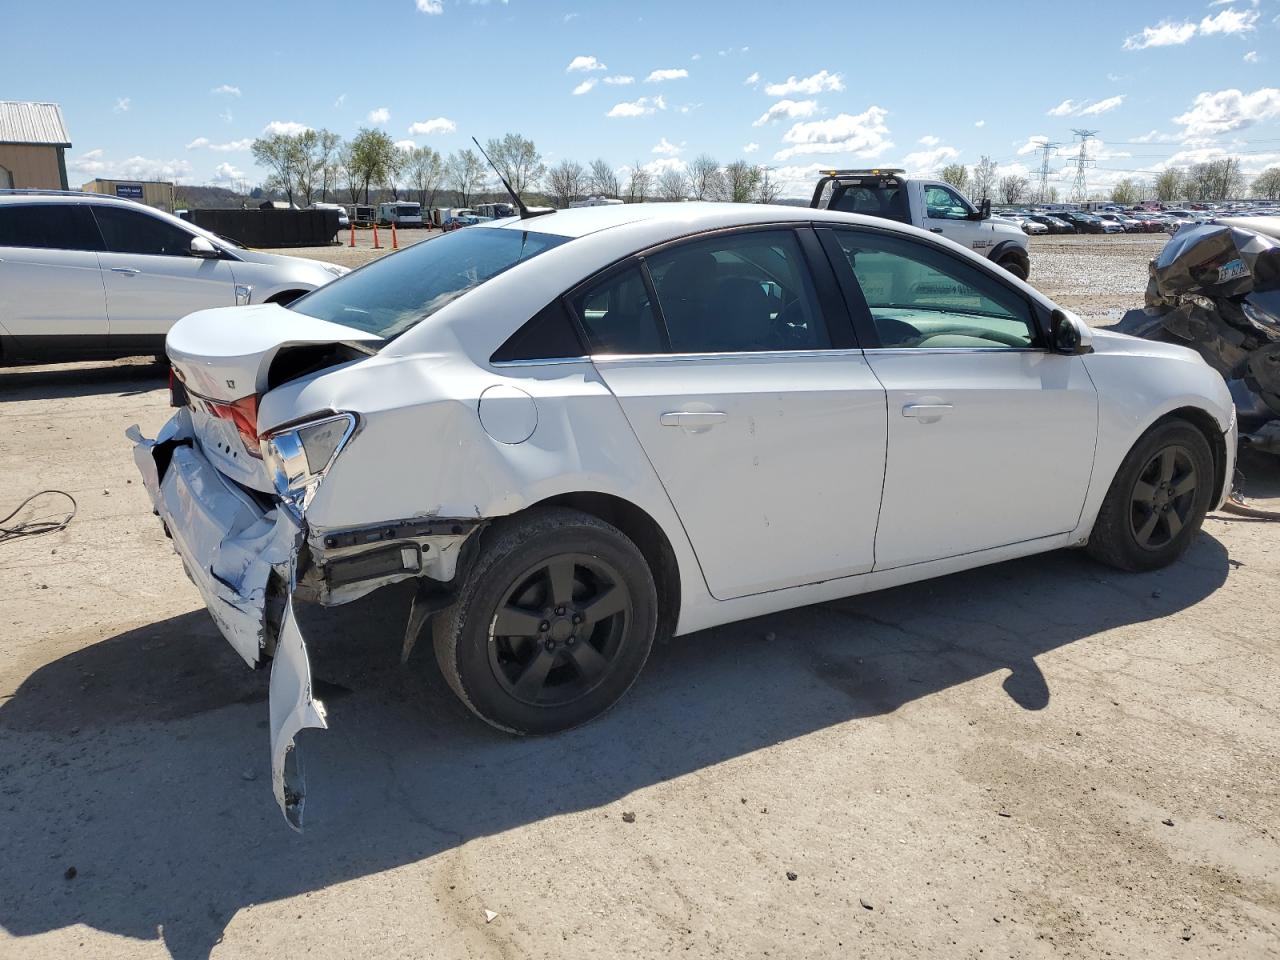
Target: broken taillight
(243, 413)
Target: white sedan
(582, 430)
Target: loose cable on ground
(31, 528)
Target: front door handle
(926, 411)
(693, 418)
(935, 229)
(127, 271)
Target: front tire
(1157, 501)
(552, 624)
(1016, 263)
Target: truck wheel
(1016, 263)
(1157, 500)
(552, 624)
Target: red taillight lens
(244, 414)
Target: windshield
(390, 295)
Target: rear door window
(50, 226)
(129, 231)
(618, 316)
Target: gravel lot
(1039, 759)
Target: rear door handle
(926, 411)
(693, 418)
(935, 229)
(127, 271)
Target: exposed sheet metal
(293, 709)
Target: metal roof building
(33, 145)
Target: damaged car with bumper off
(583, 430)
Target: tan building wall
(155, 193)
(32, 165)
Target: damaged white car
(583, 430)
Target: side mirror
(200, 247)
(1067, 335)
(984, 210)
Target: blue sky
(178, 90)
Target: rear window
(390, 295)
(872, 196)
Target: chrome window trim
(539, 362)
(727, 355)
(910, 350)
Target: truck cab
(929, 204)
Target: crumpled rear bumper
(230, 546)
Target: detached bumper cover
(230, 546)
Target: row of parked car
(1035, 222)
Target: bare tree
(564, 182)
(1013, 188)
(984, 179)
(518, 160)
(349, 171)
(1169, 185)
(465, 173)
(705, 180)
(1125, 191)
(1267, 184)
(328, 147)
(638, 183)
(603, 179)
(425, 170)
(740, 180)
(768, 189)
(671, 185)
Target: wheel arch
(646, 533)
(1203, 421)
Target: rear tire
(1017, 264)
(1157, 500)
(552, 623)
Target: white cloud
(1086, 108)
(666, 148)
(819, 82)
(750, 147)
(228, 89)
(337, 104)
(696, 56)
(225, 115)
(584, 63)
(431, 7)
(1251, 56)
(791, 109)
(657, 76)
(428, 127)
(1214, 113)
(569, 16)
(122, 105)
(197, 143)
(288, 127)
(584, 87)
(688, 107)
(142, 168)
(864, 135)
(1169, 34)
(924, 162)
(1162, 35)
(980, 123)
(89, 162)
(753, 79)
(930, 140)
(637, 108)
(621, 80)
(1229, 21)
(1102, 106)
(660, 166)
(231, 146)
(379, 116)
(1032, 145)
(226, 173)
(406, 145)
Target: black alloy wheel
(557, 631)
(1163, 498)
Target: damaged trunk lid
(227, 358)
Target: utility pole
(1046, 150)
(1080, 189)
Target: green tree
(282, 155)
(1168, 185)
(518, 160)
(372, 157)
(956, 174)
(741, 181)
(1126, 192)
(1267, 184)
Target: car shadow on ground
(141, 761)
(130, 377)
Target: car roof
(680, 217)
(68, 197)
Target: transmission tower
(1046, 150)
(1080, 189)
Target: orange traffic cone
(395, 244)
(353, 234)
(376, 245)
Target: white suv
(85, 276)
